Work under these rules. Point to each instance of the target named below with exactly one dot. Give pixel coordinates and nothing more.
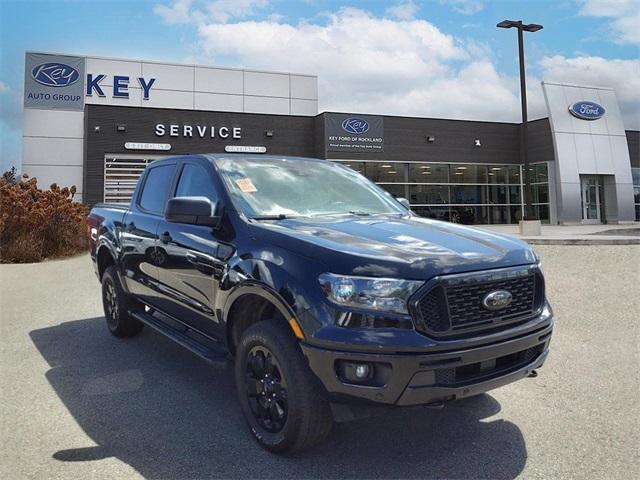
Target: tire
(117, 303)
(299, 415)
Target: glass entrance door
(590, 199)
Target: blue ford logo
(586, 110)
(55, 74)
(357, 126)
(497, 300)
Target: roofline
(412, 117)
(157, 62)
(562, 84)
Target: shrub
(38, 224)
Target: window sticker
(246, 185)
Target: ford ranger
(327, 294)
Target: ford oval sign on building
(586, 110)
(356, 126)
(55, 74)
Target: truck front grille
(465, 302)
(453, 305)
(489, 369)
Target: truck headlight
(367, 293)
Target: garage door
(121, 173)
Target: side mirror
(191, 210)
(404, 202)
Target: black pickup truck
(332, 298)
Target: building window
(428, 173)
(457, 192)
(386, 172)
(635, 172)
(540, 191)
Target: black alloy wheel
(266, 389)
(285, 405)
(110, 304)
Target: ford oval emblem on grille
(497, 300)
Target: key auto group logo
(356, 126)
(55, 74)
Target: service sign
(354, 133)
(586, 110)
(54, 82)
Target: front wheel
(283, 402)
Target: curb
(581, 241)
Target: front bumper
(427, 378)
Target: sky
(428, 58)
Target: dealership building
(97, 122)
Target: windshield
(265, 187)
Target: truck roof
(225, 156)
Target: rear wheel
(116, 304)
(283, 402)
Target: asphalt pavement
(76, 402)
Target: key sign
(55, 74)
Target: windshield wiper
(360, 213)
(280, 216)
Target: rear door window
(156, 188)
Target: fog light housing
(355, 372)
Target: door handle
(203, 259)
(192, 257)
(205, 263)
(165, 237)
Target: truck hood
(397, 246)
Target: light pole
(524, 157)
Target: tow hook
(533, 374)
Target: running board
(216, 356)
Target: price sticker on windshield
(246, 185)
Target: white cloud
(625, 15)
(224, 10)
(190, 11)
(371, 64)
(403, 11)
(178, 12)
(466, 7)
(622, 75)
(4, 88)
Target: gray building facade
(583, 170)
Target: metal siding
(405, 140)
(633, 142)
(293, 135)
(540, 141)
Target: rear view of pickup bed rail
(327, 295)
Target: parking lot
(78, 403)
